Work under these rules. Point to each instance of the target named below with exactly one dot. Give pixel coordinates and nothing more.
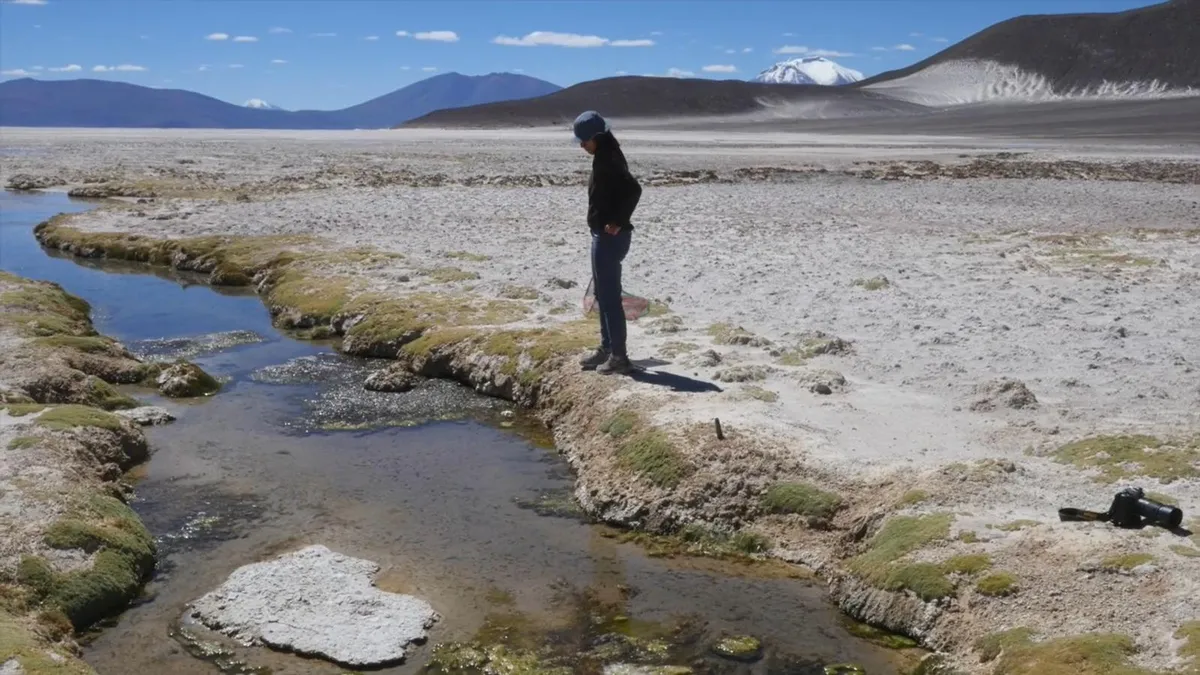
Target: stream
(460, 502)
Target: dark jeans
(608, 251)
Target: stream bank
(244, 474)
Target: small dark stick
(717, 424)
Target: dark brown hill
(1076, 51)
(634, 97)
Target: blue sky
(319, 54)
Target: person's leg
(611, 252)
(601, 355)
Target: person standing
(613, 195)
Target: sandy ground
(1084, 290)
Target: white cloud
(789, 34)
(747, 50)
(279, 30)
(540, 38)
(123, 68)
(717, 68)
(16, 72)
(71, 68)
(543, 38)
(217, 37)
(430, 69)
(916, 35)
(279, 61)
(656, 33)
(401, 33)
(437, 36)
(519, 70)
(324, 34)
(26, 2)
(371, 38)
(236, 65)
(800, 49)
(245, 38)
(730, 51)
(203, 67)
(405, 67)
(676, 72)
(904, 48)
(879, 49)
(621, 72)
(939, 39)
(37, 68)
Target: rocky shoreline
(927, 513)
(631, 472)
(72, 551)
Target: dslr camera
(1131, 508)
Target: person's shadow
(669, 380)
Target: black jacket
(613, 192)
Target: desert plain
(918, 348)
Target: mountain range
(1142, 52)
(28, 102)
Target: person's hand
(612, 229)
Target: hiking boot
(615, 365)
(595, 359)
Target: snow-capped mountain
(260, 104)
(809, 70)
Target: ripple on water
(170, 349)
(334, 398)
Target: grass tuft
(900, 536)
(1125, 562)
(800, 498)
(1119, 457)
(998, 584)
(75, 416)
(650, 454)
(969, 564)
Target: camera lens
(1160, 514)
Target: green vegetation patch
(913, 497)
(878, 636)
(467, 255)
(650, 454)
(968, 564)
(1090, 654)
(992, 645)
(800, 498)
(23, 442)
(1186, 551)
(103, 395)
(1017, 525)
(1190, 634)
(810, 348)
(74, 416)
(1125, 456)
(872, 284)
(124, 555)
(450, 275)
(1125, 562)
(389, 320)
(620, 424)
(698, 540)
(900, 536)
(760, 394)
(89, 344)
(998, 584)
(728, 334)
(515, 292)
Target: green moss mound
(1090, 654)
(969, 564)
(66, 417)
(123, 556)
(997, 585)
(901, 535)
(1119, 457)
(801, 498)
(651, 455)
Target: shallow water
(253, 472)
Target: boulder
(186, 380)
(1003, 393)
(149, 415)
(393, 379)
(316, 602)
